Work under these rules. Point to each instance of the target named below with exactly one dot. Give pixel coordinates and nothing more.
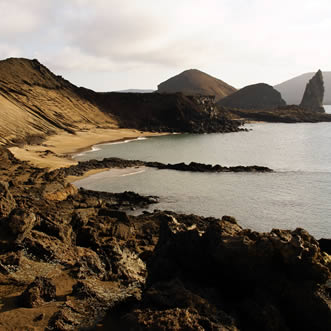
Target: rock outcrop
(312, 99)
(257, 96)
(292, 89)
(230, 278)
(40, 291)
(164, 112)
(195, 82)
(7, 202)
(114, 162)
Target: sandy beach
(56, 151)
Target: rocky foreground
(74, 259)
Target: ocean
(296, 194)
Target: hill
(257, 96)
(193, 81)
(35, 103)
(292, 90)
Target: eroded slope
(35, 102)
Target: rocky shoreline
(107, 163)
(286, 114)
(79, 261)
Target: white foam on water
(97, 147)
(133, 173)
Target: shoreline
(115, 172)
(57, 151)
(89, 148)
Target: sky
(111, 45)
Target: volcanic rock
(293, 89)
(256, 278)
(175, 319)
(166, 112)
(88, 304)
(325, 245)
(287, 114)
(7, 202)
(158, 270)
(10, 260)
(20, 223)
(314, 93)
(119, 215)
(41, 290)
(89, 264)
(82, 167)
(257, 96)
(127, 265)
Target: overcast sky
(119, 44)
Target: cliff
(35, 103)
(312, 99)
(195, 82)
(257, 96)
(164, 112)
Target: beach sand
(56, 151)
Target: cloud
(71, 58)
(175, 33)
(22, 17)
(244, 40)
(105, 34)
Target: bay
(297, 194)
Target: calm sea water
(297, 194)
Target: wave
(133, 173)
(96, 148)
(124, 141)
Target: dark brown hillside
(163, 112)
(191, 82)
(257, 96)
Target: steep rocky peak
(314, 94)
